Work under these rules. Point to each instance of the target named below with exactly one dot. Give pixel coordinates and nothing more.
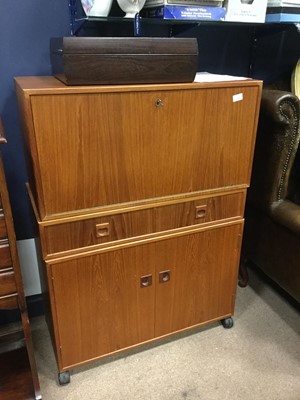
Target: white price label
(237, 97)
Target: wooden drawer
(9, 302)
(89, 232)
(7, 283)
(3, 231)
(5, 257)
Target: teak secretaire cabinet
(139, 194)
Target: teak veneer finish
(201, 287)
(101, 230)
(139, 194)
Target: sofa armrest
(287, 214)
(276, 147)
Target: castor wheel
(64, 378)
(227, 323)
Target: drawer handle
(102, 230)
(146, 281)
(164, 276)
(200, 211)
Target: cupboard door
(202, 280)
(100, 304)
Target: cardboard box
(246, 10)
(187, 13)
(157, 3)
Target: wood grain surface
(101, 308)
(122, 147)
(139, 193)
(62, 237)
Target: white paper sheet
(208, 77)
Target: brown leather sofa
(272, 219)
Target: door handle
(164, 276)
(201, 211)
(146, 281)
(102, 230)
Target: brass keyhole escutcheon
(159, 103)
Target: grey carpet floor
(258, 359)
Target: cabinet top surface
(51, 85)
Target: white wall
(29, 266)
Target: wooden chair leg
(243, 274)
